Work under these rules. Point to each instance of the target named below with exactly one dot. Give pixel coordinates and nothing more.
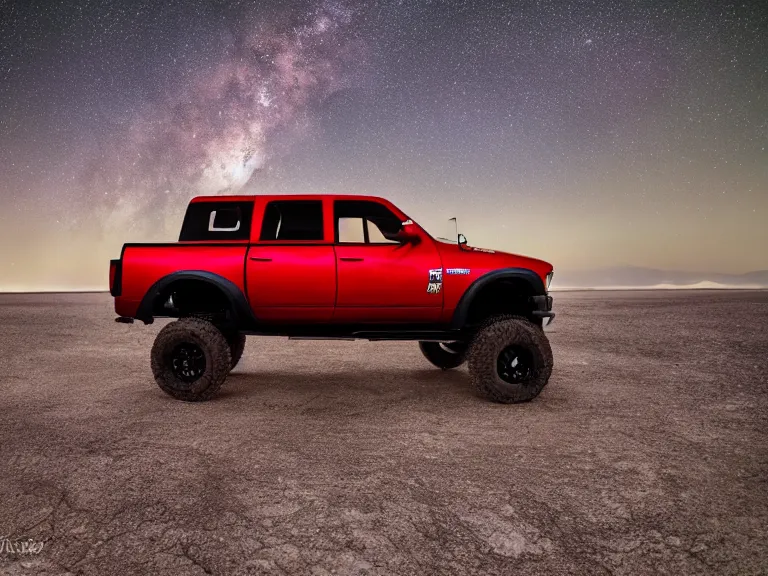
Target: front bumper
(542, 308)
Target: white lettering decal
(436, 275)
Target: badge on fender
(435, 281)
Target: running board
(383, 336)
(322, 338)
(425, 336)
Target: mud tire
(236, 343)
(206, 342)
(497, 336)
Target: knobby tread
(217, 357)
(495, 335)
(441, 358)
(236, 347)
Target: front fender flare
(528, 276)
(237, 300)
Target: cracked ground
(647, 453)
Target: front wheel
(190, 359)
(444, 355)
(510, 360)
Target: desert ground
(647, 452)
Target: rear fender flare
(238, 303)
(465, 302)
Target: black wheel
(510, 360)
(190, 359)
(236, 343)
(444, 355)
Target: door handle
(348, 259)
(257, 259)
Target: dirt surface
(647, 453)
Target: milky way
(211, 134)
(592, 134)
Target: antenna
(456, 226)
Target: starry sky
(590, 134)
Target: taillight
(114, 277)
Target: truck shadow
(354, 386)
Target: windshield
(450, 232)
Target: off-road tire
(491, 340)
(236, 343)
(205, 337)
(444, 359)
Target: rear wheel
(190, 359)
(510, 360)
(236, 343)
(444, 355)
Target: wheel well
(504, 296)
(192, 297)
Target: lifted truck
(332, 267)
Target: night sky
(589, 134)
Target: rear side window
(217, 221)
(293, 220)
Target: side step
(321, 338)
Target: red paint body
(321, 281)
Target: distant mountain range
(628, 277)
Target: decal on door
(460, 271)
(435, 281)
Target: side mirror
(462, 241)
(407, 235)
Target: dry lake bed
(647, 453)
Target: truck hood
(482, 260)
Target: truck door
(379, 278)
(291, 271)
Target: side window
(217, 221)
(376, 236)
(364, 222)
(352, 230)
(293, 220)
(224, 220)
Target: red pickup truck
(332, 267)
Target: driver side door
(380, 279)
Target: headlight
(549, 278)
